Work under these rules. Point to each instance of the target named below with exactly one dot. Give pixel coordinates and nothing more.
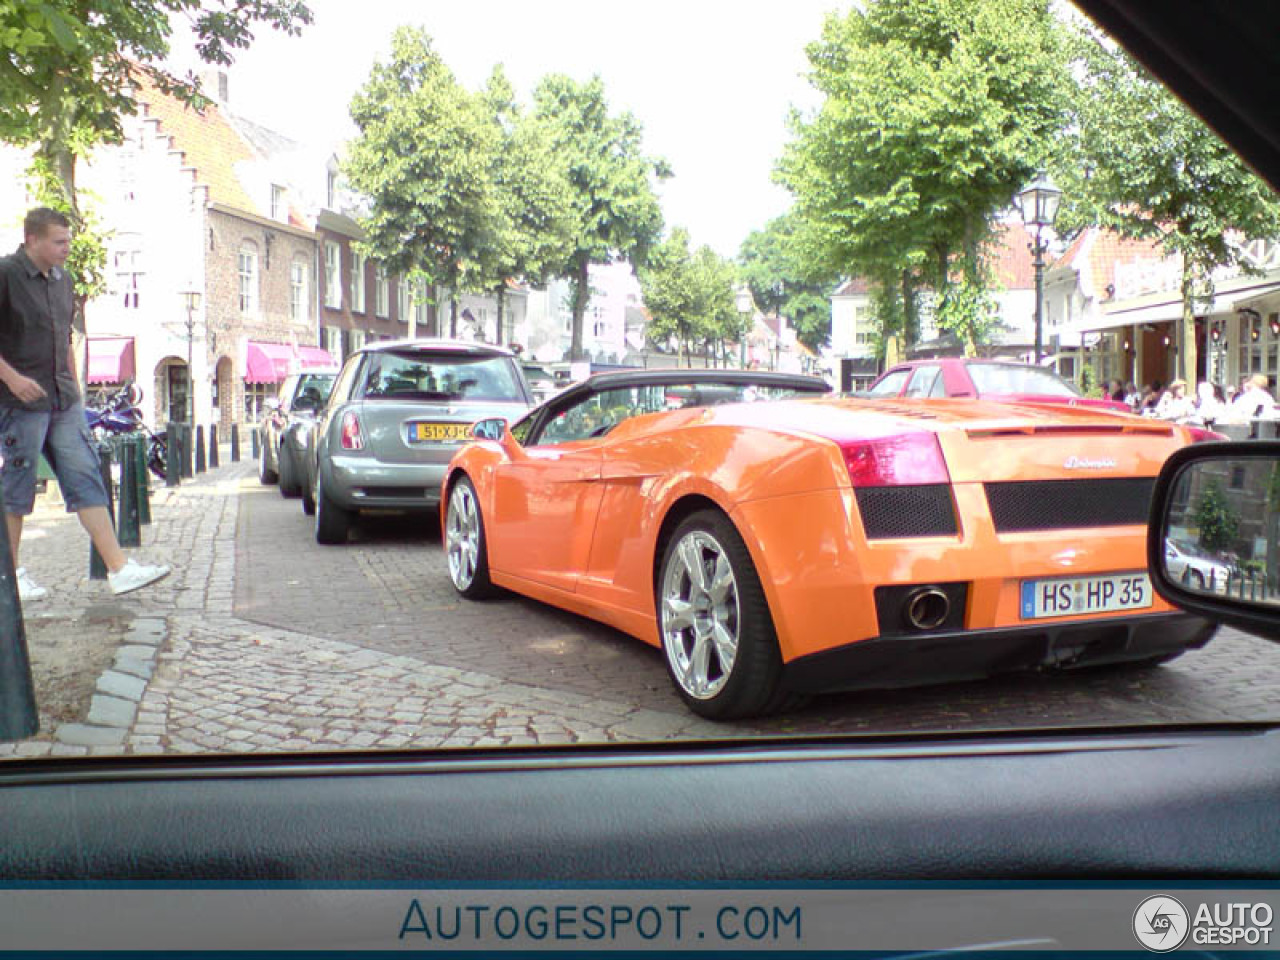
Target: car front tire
(718, 638)
(266, 474)
(289, 486)
(465, 545)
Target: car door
(545, 502)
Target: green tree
(670, 288)
(783, 280)
(425, 156)
(1139, 162)
(535, 228)
(1218, 523)
(615, 209)
(935, 112)
(69, 66)
(715, 284)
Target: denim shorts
(64, 439)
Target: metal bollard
(213, 445)
(172, 456)
(144, 481)
(257, 443)
(18, 715)
(200, 448)
(185, 432)
(128, 530)
(98, 566)
(235, 443)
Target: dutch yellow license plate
(439, 432)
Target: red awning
(272, 362)
(110, 359)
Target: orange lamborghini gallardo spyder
(775, 544)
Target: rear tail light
(352, 439)
(900, 460)
(1200, 435)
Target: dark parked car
(287, 428)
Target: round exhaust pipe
(927, 608)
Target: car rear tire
(333, 522)
(465, 545)
(718, 638)
(289, 486)
(308, 500)
(266, 475)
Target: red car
(988, 379)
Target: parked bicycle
(119, 415)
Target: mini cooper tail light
(352, 438)
(899, 460)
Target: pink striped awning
(110, 359)
(272, 362)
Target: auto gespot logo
(1161, 923)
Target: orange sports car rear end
(796, 546)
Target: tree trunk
(500, 339)
(453, 304)
(910, 318)
(1186, 339)
(62, 162)
(581, 294)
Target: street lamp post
(746, 309)
(192, 300)
(1038, 202)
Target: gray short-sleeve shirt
(35, 331)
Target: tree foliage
(689, 295)
(1138, 161)
(935, 112)
(425, 156)
(783, 279)
(616, 214)
(1218, 523)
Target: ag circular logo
(1161, 923)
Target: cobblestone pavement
(263, 641)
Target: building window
(382, 293)
(333, 342)
(357, 340)
(331, 189)
(256, 396)
(402, 300)
(248, 281)
(332, 265)
(298, 292)
(420, 307)
(279, 208)
(357, 282)
(128, 267)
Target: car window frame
(916, 373)
(905, 371)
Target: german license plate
(438, 432)
(1070, 595)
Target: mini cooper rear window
(451, 377)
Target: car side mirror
(492, 429)
(1213, 544)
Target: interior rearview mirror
(1213, 546)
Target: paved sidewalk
(188, 676)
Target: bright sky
(710, 80)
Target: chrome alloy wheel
(700, 615)
(462, 535)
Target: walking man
(40, 406)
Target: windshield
(425, 376)
(1004, 378)
(480, 212)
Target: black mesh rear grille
(1064, 504)
(919, 511)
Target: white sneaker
(28, 589)
(134, 576)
